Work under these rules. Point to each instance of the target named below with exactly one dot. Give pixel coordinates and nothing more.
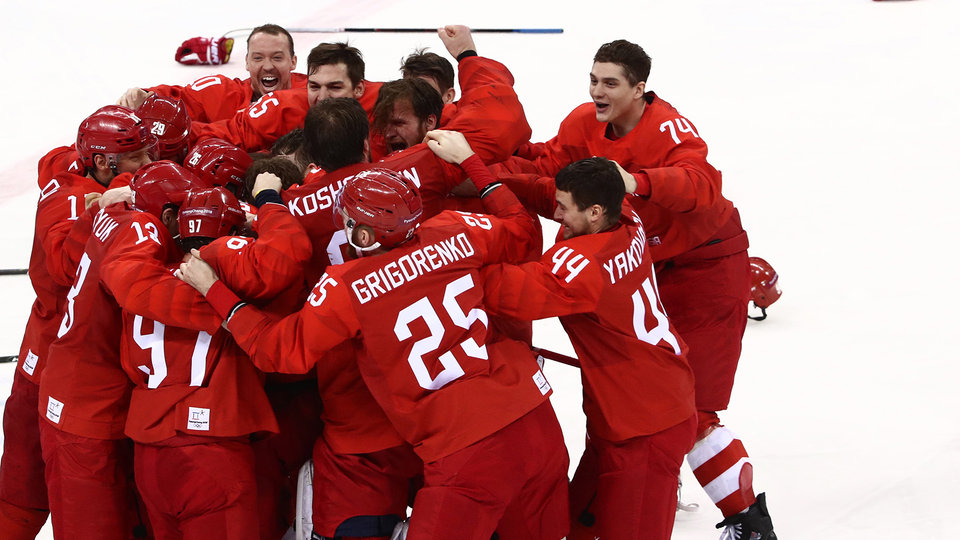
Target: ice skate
(754, 524)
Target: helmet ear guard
(764, 286)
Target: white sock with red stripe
(723, 468)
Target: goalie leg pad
(304, 520)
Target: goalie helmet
(167, 119)
(382, 200)
(210, 213)
(162, 183)
(220, 163)
(110, 131)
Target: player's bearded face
(404, 129)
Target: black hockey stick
(5, 359)
(13, 271)
(407, 30)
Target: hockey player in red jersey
(111, 144)
(337, 139)
(359, 451)
(354, 426)
(695, 238)
(488, 112)
(197, 397)
(474, 409)
(221, 164)
(270, 62)
(167, 119)
(406, 110)
(637, 386)
(84, 393)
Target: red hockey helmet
(382, 200)
(168, 120)
(764, 285)
(220, 163)
(110, 131)
(161, 183)
(210, 213)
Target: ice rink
(832, 122)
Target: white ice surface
(832, 121)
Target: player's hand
(457, 39)
(133, 98)
(629, 182)
(266, 180)
(116, 195)
(450, 146)
(197, 273)
(90, 198)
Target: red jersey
(636, 380)
(312, 203)
(353, 422)
(275, 114)
(192, 378)
(51, 273)
(419, 308)
(58, 160)
(84, 390)
(217, 97)
(190, 382)
(269, 270)
(488, 113)
(684, 207)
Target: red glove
(201, 50)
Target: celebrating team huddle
(300, 306)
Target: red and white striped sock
(723, 468)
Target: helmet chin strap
(762, 316)
(362, 250)
(349, 227)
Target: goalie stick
(406, 30)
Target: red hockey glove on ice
(208, 51)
